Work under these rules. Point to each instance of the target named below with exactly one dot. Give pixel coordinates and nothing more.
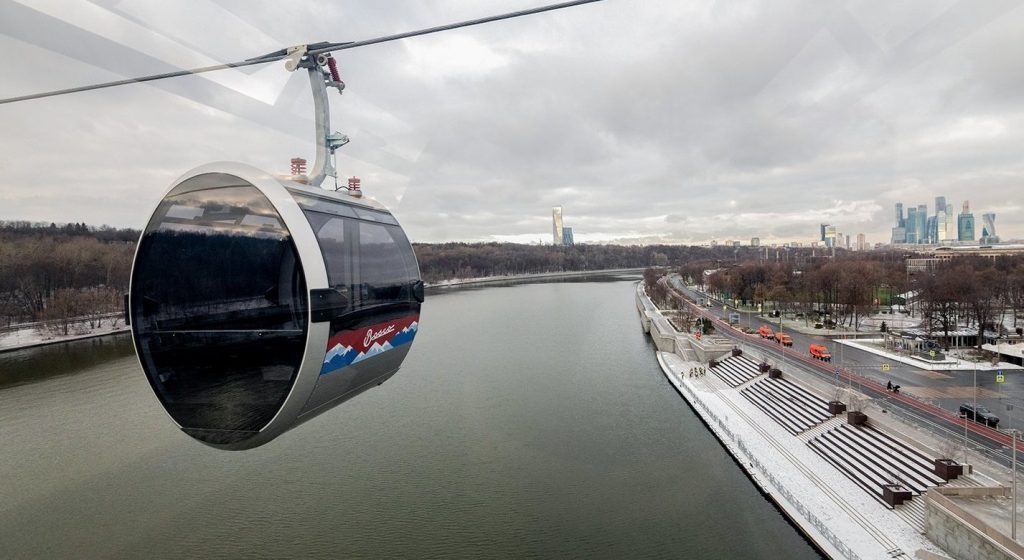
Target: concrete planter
(836, 408)
(856, 418)
(895, 494)
(948, 469)
(764, 367)
(737, 352)
(775, 373)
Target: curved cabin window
(219, 301)
(368, 257)
(386, 270)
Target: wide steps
(736, 370)
(791, 406)
(913, 512)
(872, 459)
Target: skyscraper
(861, 242)
(922, 223)
(988, 228)
(567, 239)
(951, 233)
(911, 228)
(988, 224)
(965, 224)
(899, 216)
(940, 204)
(556, 225)
(932, 229)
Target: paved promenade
(837, 514)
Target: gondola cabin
(257, 302)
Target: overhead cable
(312, 49)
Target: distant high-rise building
(861, 244)
(911, 229)
(567, 239)
(829, 235)
(755, 241)
(940, 204)
(932, 229)
(922, 223)
(899, 235)
(899, 215)
(556, 225)
(951, 234)
(988, 228)
(965, 224)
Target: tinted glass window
(387, 268)
(321, 205)
(219, 308)
(330, 234)
(369, 260)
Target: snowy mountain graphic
(337, 357)
(404, 336)
(345, 350)
(373, 351)
(338, 350)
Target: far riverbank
(38, 334)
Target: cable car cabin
(257, 303)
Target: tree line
(967, 291)
(68, 273)
(58, 273)
(445, 261)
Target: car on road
(979, 414)
(820, 352)
(766, 332)
(783, 339)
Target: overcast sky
(647, 121)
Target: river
(528, 421)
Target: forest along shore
(525, 278)
(40, 333)
(66, 281)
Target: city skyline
(944, 227)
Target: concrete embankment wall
(644, 306)
(963, 535)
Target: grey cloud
(643, 120)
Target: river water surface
(527, 421)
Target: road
(929, 398)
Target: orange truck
(766, 332)
(783, 339)
(820, 352)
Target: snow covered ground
(954, 362)
(39, 335)
(837, 514)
